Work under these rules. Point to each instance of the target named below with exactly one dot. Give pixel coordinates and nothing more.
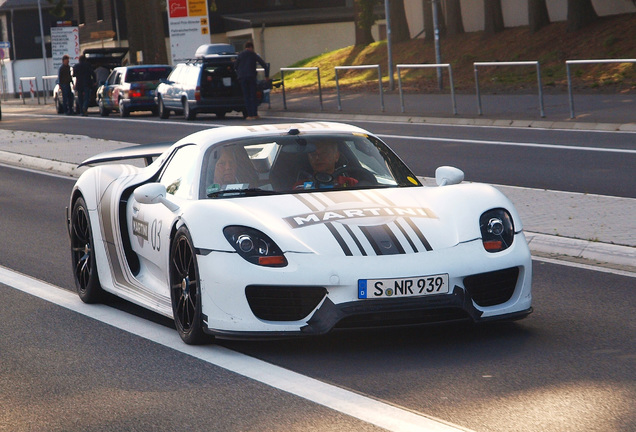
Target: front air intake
(492, 288)
(283, 303)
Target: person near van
(65, 79)
(246, 72)
(84, 82)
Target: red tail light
(197, 94)
(135, 93)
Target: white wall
(16, 69)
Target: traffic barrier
(571, 62)
(31, 89)
(282, 78)
(438, 65)
(519, 63)
(337, 68)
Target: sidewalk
(591, 229)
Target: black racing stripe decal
(407, 236)
(382, 242)
(307, 203)
(419, 234)
(394, 239)
(355, 239)
(339, 239)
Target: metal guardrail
(519, 63)
(571, 62)
(282, 78)
(417, 66)
(337, 68)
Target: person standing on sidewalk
(246, 72)
(65, 80)
(84, 82)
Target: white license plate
(404, 287)
(227, 81)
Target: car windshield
(301, 163)
(147, 74)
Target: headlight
(254, 246)
(497, 230)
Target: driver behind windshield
(323, 164)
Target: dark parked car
(207, 84)
(131, 88)
(99, 58)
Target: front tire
(185, 290)
(103, 111)
(83, 255)
(188, 113)
(163, 112)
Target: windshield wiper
(243, 192)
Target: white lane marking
(372, 411)
(511, 143)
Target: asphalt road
(567, 160)
(569, 366)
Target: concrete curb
(40, 164)
(537, 124)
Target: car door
(172, 90)
(149, 225)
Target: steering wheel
(364, 177)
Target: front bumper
(230, 313)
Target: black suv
(207, 84)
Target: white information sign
(189, 27)
(64, 40)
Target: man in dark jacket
(65, 80)
(246, 72)
(84, 82)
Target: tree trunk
(493, 17)
(580, 14)
(147, 34)
(364, 20)
(429, 29)
(399, 25)
(454, 21)
(538, 16)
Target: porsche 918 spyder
(296, 229)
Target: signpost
(189, 27)
(64, 40)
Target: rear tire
(185, 290)
(83, 255)
(123, 110)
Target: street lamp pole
(46, 72)
(438, 53)
(388, 43)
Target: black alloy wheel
(185, 290)
(83, 255)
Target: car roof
(209, 137)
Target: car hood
(362, 222)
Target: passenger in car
(226, 168)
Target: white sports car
(294, 229)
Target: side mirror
(447, 175)
(153, 193)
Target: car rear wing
(147, 152)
